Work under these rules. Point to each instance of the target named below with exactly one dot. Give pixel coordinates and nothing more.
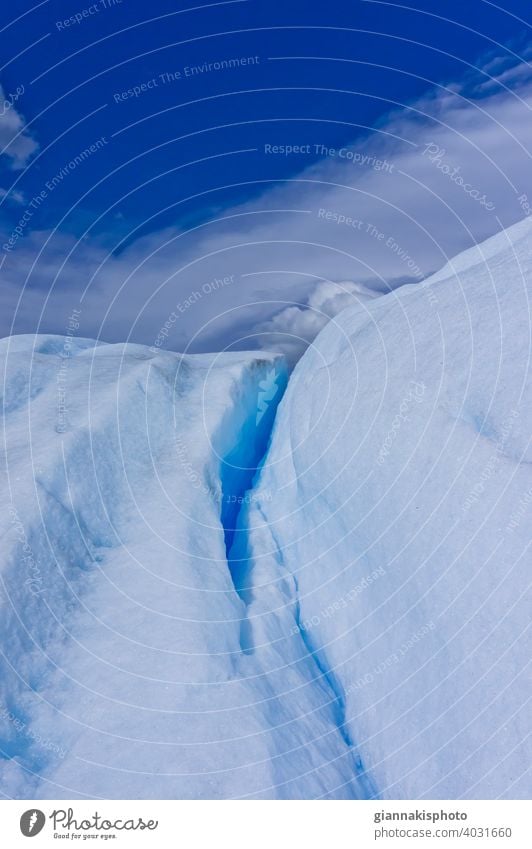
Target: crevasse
(133, 663)
(239, 473)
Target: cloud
(15, 141)
(497, 71)
(12, 195)
(293, 328)
(435, 177)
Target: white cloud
(15, 141)
(347, 221)
(12, 195)
(510, 70)
(293, 328)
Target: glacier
(221, 580)
(123, 673)
(401, 460)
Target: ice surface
(362, 631)
(400, 526)
(123, 672)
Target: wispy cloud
(345, 222)
(16, 143)
(293, 328)
(14, 196)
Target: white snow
(124, 674)
(364, 630)
(402, 470)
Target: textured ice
(362, 632)
(401, 467)
(123, 673)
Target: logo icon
(268, 391)
(32, 822)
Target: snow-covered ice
(362, 632)
(402, 467)
(124, 674)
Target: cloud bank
(433, 178)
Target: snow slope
(125, 669)
(401, 466)
(351, 621)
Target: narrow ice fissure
(340, 714)
(235, 500)
(240, 469)
(239, 474)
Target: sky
(197, 177)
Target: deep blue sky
(81, 69)
(325, 73)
